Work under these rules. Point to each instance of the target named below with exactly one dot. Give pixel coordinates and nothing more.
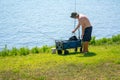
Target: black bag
(73, 38)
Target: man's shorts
(87, 34)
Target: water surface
(39, 22)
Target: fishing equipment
(72, 42)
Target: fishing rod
(78, 28)
(75, 8)
(75, 19)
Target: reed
(14, 52)
(35, 50)
(24, 51)
(114, 40)
(47, 49)
(4, 52)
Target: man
(86, 29)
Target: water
(39, 22)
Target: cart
(63, 45)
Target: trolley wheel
(75, 49)
(59, 51)
(80, 49)
(66, 52)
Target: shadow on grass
(89, 54)
(70, 53)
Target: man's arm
(76, 28)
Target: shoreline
(47, 49)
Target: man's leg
(87, 38)
(85, 46)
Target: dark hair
(74, 14)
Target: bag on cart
(73, 38)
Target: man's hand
(73, 31)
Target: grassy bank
(101, 63)
(46, 49)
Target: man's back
(84, 21)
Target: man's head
(74, 15)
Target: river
(29, 23)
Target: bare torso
(84, 22)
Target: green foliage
(35, 50)
(14, 51)
(93, 40)
(114, 39)
(4, 52)
(47, 49)
(101, 41)
(23, 51)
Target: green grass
(101, 63)
(23, 51)
(114, 39)
(46, 49)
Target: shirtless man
(86, 29)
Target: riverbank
(47, 49)
(101, 63)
